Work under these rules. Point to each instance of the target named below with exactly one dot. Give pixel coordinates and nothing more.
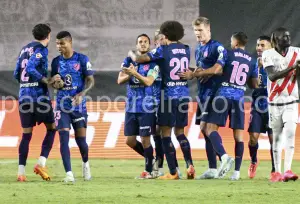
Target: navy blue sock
(239, 152)
(253, 153)
(170, 153)
(210, 153)
(48, 143)
(176, 161)
(24, 148)
(139, 148)
(216, 142)
(64, 149)
(186, 149)
(272, 158)
(148, 154)
(159, 150)
(83, 147)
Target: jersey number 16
(239, 73)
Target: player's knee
(253, 139)
(166, 131)
(131, 141)
(178, 131)
(50, 127)
(146, 142)
(27, 130)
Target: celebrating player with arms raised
(75, 71)
(280, 63)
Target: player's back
(239, 67)
(32, 66)
(176, 58)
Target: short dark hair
(241, 37)
(142, 35)
(264, 37)
(41, 31)
(173, 30)
(63, 34)
(278, 30)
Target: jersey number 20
(181, 64)
(239, 73)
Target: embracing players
(240, 68)
(280, 63)
(173, 111)
(34, 101)
(73, 79)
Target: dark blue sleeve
(188, 52)
(221, 54)
(34, 61)
(17, 72)
(254, 73)
(126, 62)
(54, 67)
(86, 66)
(156, 54)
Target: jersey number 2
(181, 64)
(239, 73)
(24, 78)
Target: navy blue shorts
(221, 108)
(139, 124)
(173, 113)
(32, 113)
(259, 122)
(64, 120)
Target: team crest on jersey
(146, 67)
(76, 66)
(205, 53)
(38, 55)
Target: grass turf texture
(113, 182)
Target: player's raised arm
(123, 77)
(33, 62)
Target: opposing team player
(141, 103)
(75, 74)
(173, 111)
(34, 101)
(208, 54)
(280, 63)
(259, 118)
(239, 69)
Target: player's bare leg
(23, 153)
(239, 152)
(170, 154)
(186, 150)
(64, 136)
(212, 171)
(135, 145)
(80, 138)
(148, 154)
(289, 130)
(216, 140)
(40, 167)
(253, 147)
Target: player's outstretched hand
(187, 75)
(77, 99)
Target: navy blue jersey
(32, 66)
(239, 67)
(207, 56)
(260, 95)
(141, 98)
(174, 58)
(73, 72)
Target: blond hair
(201, 20)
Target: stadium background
(105, 30)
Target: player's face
(261, 46)
(63, 45)
(202, 32)
(161, 40)
(283, 39)
(143, 44)
(234, 43)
